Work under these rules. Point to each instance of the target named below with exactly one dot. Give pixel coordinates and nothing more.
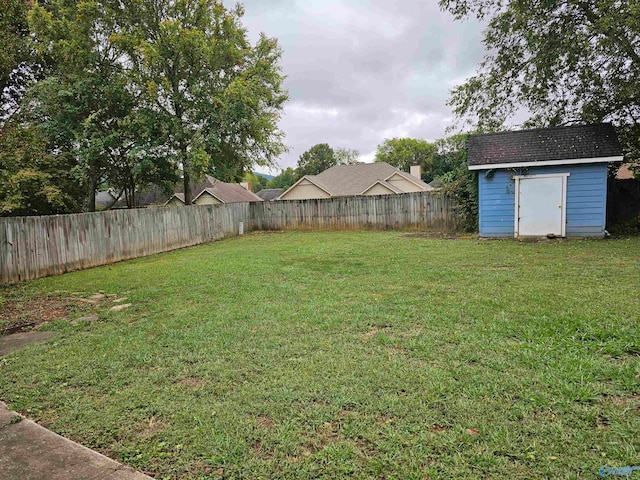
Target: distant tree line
(130, 93)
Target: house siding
(403, 184)
(586, 199)
(305, 190)
(207, 199)
(378, 189)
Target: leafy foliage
(132, 91)
(402, 153)
(88, 106)
(450, 154)
(34, 181)
(15, 50)
(217, 97)
(459, 182)
(565, 61)
(258, 182)
(286, 178)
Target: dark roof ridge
(557, 127)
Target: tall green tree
(33, 180)
(402, 153)
(451, 153)
(15, 50)
(315, 160)
(257, 182)
(457, 180)
(346, 156)
(286, 178)
(88, 105)
(218, 97)
(563, 61)
(321, 157)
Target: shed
(544, 182)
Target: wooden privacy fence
(391, 212)
(34, 247)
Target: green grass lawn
(349, 355)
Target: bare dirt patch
(149, 428)
(441, 428)
(264, 422)
(324, 436)
(23, 315)
(624, 401)
(375, 329)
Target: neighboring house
(544, 182)
(270, 194)
(176, 201)
(216, 192)
(435, 184)
(378, 178)
(624, 172)
(105, 200)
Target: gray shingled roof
(269, 194)
(354, 179)
(544, 144)
(229, 192)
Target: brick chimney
(416, 171)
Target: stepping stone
(119, 300)
(97, 297)
(117, 308)
(16, 341)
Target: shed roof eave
(547, 163)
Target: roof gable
(391, 188)
(311, 179)
(410, 178)
(224, 192)
(176, 196)
(543, 145)
(208, 191)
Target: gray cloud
(362, 71)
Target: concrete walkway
(31, 452)
(16, 341)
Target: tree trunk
(187, 187)
(92, 195)
(185, 174)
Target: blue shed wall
(586, 199)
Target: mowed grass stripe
(349, 355)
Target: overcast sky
(360, 71)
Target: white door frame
(517, 179)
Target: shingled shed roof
(543, 145)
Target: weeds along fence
(34, 247)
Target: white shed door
(541, 203)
